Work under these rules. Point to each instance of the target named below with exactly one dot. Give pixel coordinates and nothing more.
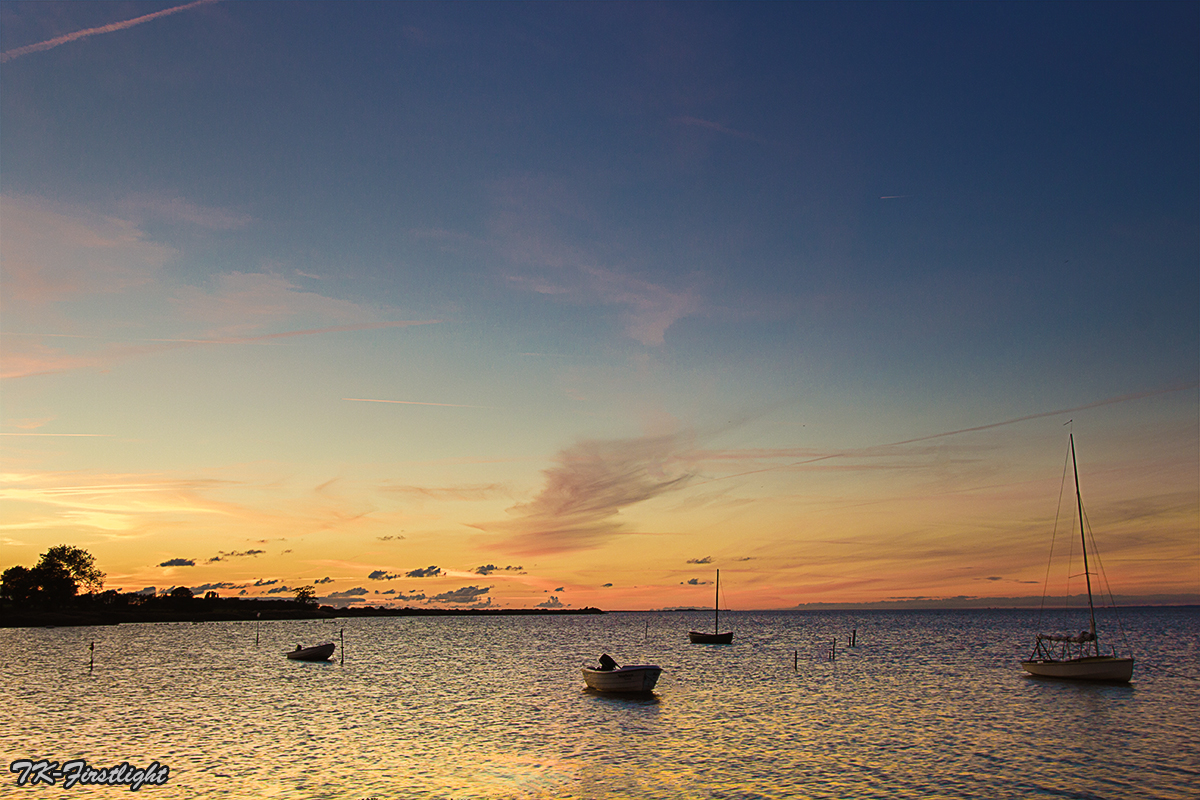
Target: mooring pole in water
(854, 638)
(256, 622)
(833, 651)
(92, 661)
(342, 636)
(647, 630)
(795, 661)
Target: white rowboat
(637, 678)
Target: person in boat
(607, 663)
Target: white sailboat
(1077, 657)
(696, 637)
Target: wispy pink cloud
(52, 253)
(29, 424)
(530, 229)
(244, 303)
(112, 27)
(24, 358)
(588, 487)
(652, 309)
(55, 255)
(181, 210)
(113, 504)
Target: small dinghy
(320, 652)
(610, 677)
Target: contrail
(113, 26)
(363, 326)
(703, 123)
(412, 403)
(55, 434)
(1108, 402)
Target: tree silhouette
(78, 564)
(56, 585)
(19, 586)
(54, 581)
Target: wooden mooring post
(92, 660)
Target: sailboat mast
(717, 604)
(1083, 538)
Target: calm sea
(927, 704)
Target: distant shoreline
(77, 618)
(88, 617)
(884, 609)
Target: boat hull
(320, 652)
(641, 678)
(1090, 668)
(696, 637)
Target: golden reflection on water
(925, 705)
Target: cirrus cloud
(591, 483)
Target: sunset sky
(573, 304)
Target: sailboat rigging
(696, 637)
(1077, 657)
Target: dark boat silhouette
(696, 637)
(320, 652)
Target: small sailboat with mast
(696, 637)
(1078, 657)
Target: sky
(558, 305)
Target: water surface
(927, 704)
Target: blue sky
(600, 260)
